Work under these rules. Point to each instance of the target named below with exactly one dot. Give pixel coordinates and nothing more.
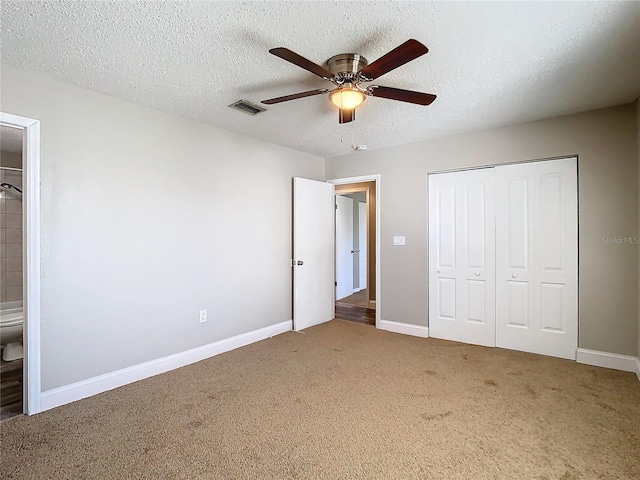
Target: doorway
(20, 320)
(357, 251)
(11, 273)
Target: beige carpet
(344, 401)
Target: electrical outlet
(203, 316)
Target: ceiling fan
(348, 71)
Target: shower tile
(13, 264)
(12, 235)
(14, 178)
(3, 294)
(13, 279)
(3, 220)
(12, 220)
(3, 236)
(13, 250)
(13, 294)
(12, 206)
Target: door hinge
(336, 284)
(293, 263)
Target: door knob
(299, 262)
(477, 274)
(513, 275)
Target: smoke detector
(358, 148)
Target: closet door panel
(462, 257)
(536, 262)
(514, 237)
(515, 210)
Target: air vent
(247, 107)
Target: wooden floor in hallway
(355, 313)
(358, 298)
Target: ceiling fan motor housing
(347, 64)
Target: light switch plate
(400, 240)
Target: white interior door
(344, 246)
(313, 253)
(462, 256)
(362, 245)
(537, 257)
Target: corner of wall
(325, 161)
(638, 155)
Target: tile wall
(10, 238)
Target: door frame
(369, 178)
(31, 257)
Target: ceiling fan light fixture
(347, 97)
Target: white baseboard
(638, 367)
(92, 386)
(404, 328)
(626, 363)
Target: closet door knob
(513, 275)
(477, 274)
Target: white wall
(605, 142)
(148, 218)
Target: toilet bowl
(11, 325)
(12, 351)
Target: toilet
(12, 351)
(11, 321)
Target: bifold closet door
(537, 257)
(462, 256)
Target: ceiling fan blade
(294, 96)
(409, 50)
(346, 116)
(401, 95)
(302, 62)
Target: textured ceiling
(490, 63)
